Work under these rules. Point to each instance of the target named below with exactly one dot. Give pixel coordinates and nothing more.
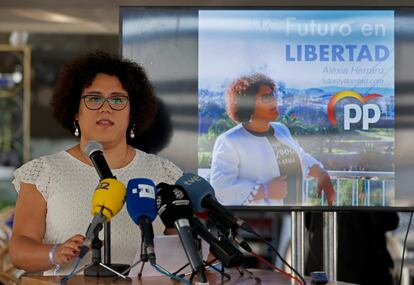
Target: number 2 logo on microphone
(103, 185)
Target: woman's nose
(105, 107)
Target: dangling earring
(76, 133)
(251, 118)
(131, 132)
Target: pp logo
(368, 113)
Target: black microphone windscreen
(173, 203)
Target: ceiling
(101, 16)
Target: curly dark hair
(241, 95)
(79, 74)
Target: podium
(267, 277)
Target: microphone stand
(201, 279)
(105, 269)
(200, 273)
(192, 273)
(143, 258)
(227, 231)
(198, 243)
(223, 274)
(181, 268)
(243, 270)
(210, 264)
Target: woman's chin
(105, 138)
(275, 117)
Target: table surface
(267, 277)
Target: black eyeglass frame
(84, 97)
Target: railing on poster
(352, 188)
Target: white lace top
(67, 185)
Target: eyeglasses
(268, 97)
(95, 102)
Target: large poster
(333, 73)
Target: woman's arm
(230, 188)
(26, 248)
(324, 182)
(310, 166)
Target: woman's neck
(117, 155)
(257, 126)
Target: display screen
(284, 107)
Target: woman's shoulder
(142, 156)
(37, 171)
(44, 166)
(150, 158)
(232, 133)
(157, 164)
(42, 161)
(280, 129)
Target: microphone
(203, 198)
(142, 209)
(221, 248)
(107, 201)
(174, 208)
(108, 197)
(94, 151)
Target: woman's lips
(105, 123)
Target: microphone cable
(165, 272)
(290, 276)
(70, 275)
(278, 255)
